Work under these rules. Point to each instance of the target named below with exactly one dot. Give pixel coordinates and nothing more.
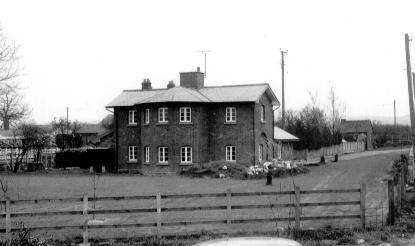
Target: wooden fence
(229, 204)
(341, 149)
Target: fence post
(399, 193)
(8, 222)
(403, 184)
(158, 204)
(297, 207)
(228, 207)
(363, 205)
(85, 214)
(391, 201)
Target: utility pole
(67, 120)
(283, 92)
(394, 113)
(410, 89)
(205, 52)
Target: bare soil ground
(368, 167)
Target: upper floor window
(132, 117)
(230, 114)
(146, 154)
(230, 153)
(185, 114)
(260, 152)
(147, 116)
(163, 115)
(262, 113)
(163, 154)
(186, 155)
(132, 153)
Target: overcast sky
(82, 54)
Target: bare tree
(9, 68)
(12, 107)
(337, 110)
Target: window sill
(146, 163)
(231, 161)
(132, 162)
(230, 123)
(185, 123)
(186, 163)
(263, 121)
(146, 124)
(162, 123)
(132, 125)
(162, 163)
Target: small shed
(283, 149)
(358, 131)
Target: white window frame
(163, 115)
(147, 154)
(187, 153)
(230, 153)
(262, 113)
(230, 114)
(185, 114)
(147, 116)
(260, 152)
(132, 117)
(132, 153)
(163, 154)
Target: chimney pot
(146, 84)
(198, 69)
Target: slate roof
(214, 94)
(355, 126)
(281, 135)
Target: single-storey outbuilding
(358, 130)
(284, 144)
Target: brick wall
(126, 135)
(239, 134)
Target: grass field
(370, 168)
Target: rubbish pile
(278, 168)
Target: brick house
(163, 130)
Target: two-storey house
(163, 130)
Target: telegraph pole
(67, 120)
(394, 113)
(410, 89)
(283, 92)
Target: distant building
(358, 130)
(163, 130)
(94, 134)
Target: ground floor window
(132, 153)
(163, 154)
(260, 152)
(230, 153)
(186, 155)
(147, 154)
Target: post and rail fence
(229, 206)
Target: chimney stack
(146, 85)
(193, 80)
(171, 84)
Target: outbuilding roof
(355, 126)
(281, 135)
(214, 94)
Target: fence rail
(228, 207)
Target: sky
(81, 54)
